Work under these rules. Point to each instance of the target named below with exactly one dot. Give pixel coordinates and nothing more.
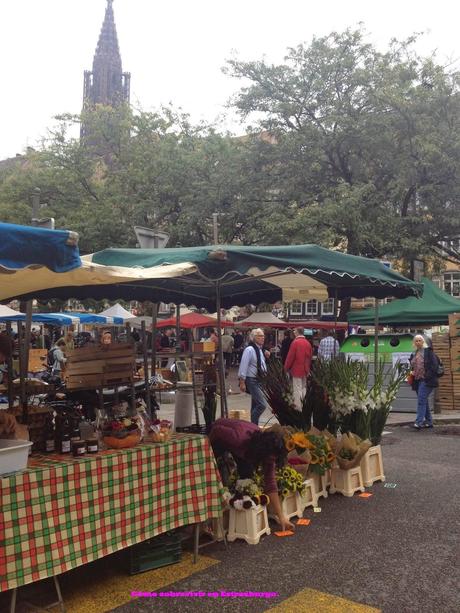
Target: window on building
(452, 283)
(327, 307)
(295, 307)
(312, 307)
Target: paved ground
(396, 551)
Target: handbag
(440, 369)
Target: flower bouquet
(121, 433)
(351, 450)
(298, 456)
(289, 481)
(321, 453)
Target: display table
(63, 512)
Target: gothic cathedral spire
(106, 83)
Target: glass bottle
(65, 437)
(49, 434)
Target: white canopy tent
(117, 310)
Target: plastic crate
(162, 550)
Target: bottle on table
(65, 437)
(49, 434)
(75, 435)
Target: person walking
(426, 368)
(328, 347)
(298, 364)
(251, 367)
(227, 350)
(285, 345)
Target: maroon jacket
(298, 359)
(234, 435)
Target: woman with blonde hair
(426, 368)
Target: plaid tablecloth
(61, 513)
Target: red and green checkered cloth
(64, 512)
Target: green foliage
(367, 143)
(353, 148)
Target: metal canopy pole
(154, 337)
(336, 308)
(146, 368)
(9, 362)
(220, 355)
(376, 337)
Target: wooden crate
(454, 324)
(37, 360)
(103, 366)
(204, 346)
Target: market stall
(63, 512)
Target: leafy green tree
(366, 144)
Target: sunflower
(314, 459)
(310, 445)
(285, 493)
(330, 457)
(300, 440)
(322, 460)
(290, 445)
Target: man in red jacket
(298, 363)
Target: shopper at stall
(298, 364)
(59, 359)
(238, 342)
(285, 344)
(68, 341)
(328, 347)
(227, 349)
(252, 448)
(426, 368)
(251, 367)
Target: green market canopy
(239, 275)
(432, 309)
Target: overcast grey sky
(175, 49)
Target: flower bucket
(291, 505)
(309, 497)
(347, 482)
(372, 466)
(248, 524)
(319, 482)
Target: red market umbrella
(193, 320)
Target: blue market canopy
(23, 247)
(66, 319)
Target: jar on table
(78, 448)
(92, 445)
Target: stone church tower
(106, 83)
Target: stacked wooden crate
(445, 392)
(454, 332)
(100, 366)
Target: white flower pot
(347, 482)
(248, 524)
(372, 466)
(309, 498)
(291, 506)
